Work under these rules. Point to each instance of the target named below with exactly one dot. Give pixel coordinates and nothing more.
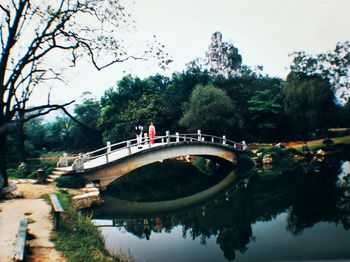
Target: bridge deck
(123, 152)
(120, 150)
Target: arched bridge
(115, 160)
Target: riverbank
(77, 239)
(40, 247)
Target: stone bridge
(113, 161)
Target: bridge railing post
(128, 145)
(244, 145)
(199, 135)
(167, 133)
(108, 150)
(177, 137)
(78, 164)
(224, 140)
(146, 138)
(63, 161)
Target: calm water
(300, 213)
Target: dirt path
(40, 228)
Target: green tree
(308, 102)
(133, 100)
(210, 110)
(38, 132)
(241, 90)
(178, 92)
(265, 109)
(35, 33)
(333, 66)
(343, 115)
(87, 136)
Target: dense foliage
(247, 106)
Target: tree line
(217, 94)
(251, 107)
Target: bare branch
(117, 60)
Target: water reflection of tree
(309, 198)
(315, 198)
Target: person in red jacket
(151, 133)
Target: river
(269, 213)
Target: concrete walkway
(39, 228)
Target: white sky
(264, 31)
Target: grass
(319, 142)
(78, 238)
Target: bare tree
(39, 40)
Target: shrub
(70, 182)
(205, 166)
(15, 173)
(277, 152)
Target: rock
(12, 192)
(87, 200)
(89, 189)
(298, 157)
(23, 167)
(255, 160)
(320, 152)
(267, 159)
(280, 145)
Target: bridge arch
(114, 163)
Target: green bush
(277, 152)
(15, 173)
(70, 182)
(204, 165)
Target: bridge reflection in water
(258, 219)
(136, 208)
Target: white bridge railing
(128, 147)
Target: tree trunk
(3, 165)
(21, 147)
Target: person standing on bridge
(151, 133)
(138, 132)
